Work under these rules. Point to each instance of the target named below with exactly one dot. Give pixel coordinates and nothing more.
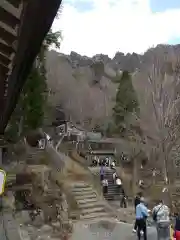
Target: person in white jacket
(119, 184)
(114, 177)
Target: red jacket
(177, 235)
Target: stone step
(112, 194)
(90, 205)
(82, 190)
(112, 186)
(111, 198)
(85, 201)
(80, 185)
(95, 215)
(84, 193)
(92, 210)
(87, 196)
(111, 219)
(113, 190)
(11, 177)
(109, 174)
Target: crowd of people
(106, 161)
(161, 217)
(160, 213)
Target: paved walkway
(2, 232)
(8, 227)
(116, 231)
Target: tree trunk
(167, 181)
(20, 127)
(134, 178)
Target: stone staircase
(34, 155)
(113, 193)
(90, 206)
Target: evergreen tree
(126, 101)
(29, 112)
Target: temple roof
(23, 27)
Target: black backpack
(154, 216)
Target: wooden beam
(15, 3)
(3, 76)
(3, 69)
(6, 49)
(8, 18)
(37, 18)
(7, 34)
(5, 60)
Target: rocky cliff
(86, 87)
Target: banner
(2, 181)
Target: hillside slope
(86, 87)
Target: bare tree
(158, 88)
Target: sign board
(61, 129)
(2, 181)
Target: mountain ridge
(86, 87)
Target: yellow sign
(2, 181)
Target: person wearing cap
(141, 216)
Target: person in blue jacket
(141, 217)
(136, 202)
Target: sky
(92, 27)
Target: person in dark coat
(102, 172)
(136, 202)
(123, 203)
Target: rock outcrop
(86, 87)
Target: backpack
(154, 216)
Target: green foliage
(53, 38)
(34, 98)
(126, 101)
(29, 112)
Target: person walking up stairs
(113, 193)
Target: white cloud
(115, 25)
